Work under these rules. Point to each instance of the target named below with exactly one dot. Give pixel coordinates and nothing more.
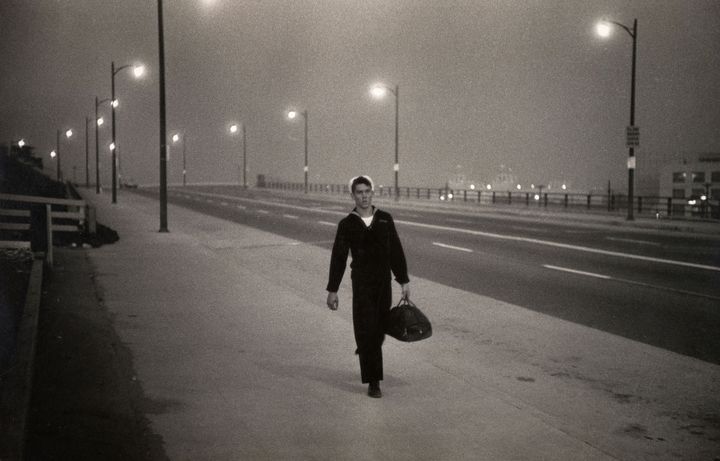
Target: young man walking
(369, 235)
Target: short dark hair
(360, 180)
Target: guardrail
(658, 207)
(31, 221)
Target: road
(659, 288)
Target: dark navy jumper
(376, 252)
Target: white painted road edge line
(451, 247)
(573, 271)
(290, 216)
(263, 211)
(326, 223)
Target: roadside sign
(632, 136)
(631, 163)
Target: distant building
(692, 179)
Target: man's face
(362, 194)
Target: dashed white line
(290, 216)
(242, 207)
(573, 271)
(631, 282)
(641, 242)
(326, 223)
(452, 247)
(263, 211)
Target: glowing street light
(234, 129)
(53, 154)
(112, 146)
(100, 121)
(379, 91)
(603, 29)
(21, 143)
(292, 114)
(138, 71)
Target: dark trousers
(372, 298)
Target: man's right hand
(332, 301)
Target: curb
(15, 390)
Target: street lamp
(138, 71)
(379, 91)
(181, 137)
(21, 143)
(233, 130)
(99, 121)
(604, 29)
(56, 152)
(163, 132)
(292, 115)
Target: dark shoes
(374, 390)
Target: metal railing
(651, 206)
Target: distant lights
(234, 127)
(291, 114)
(176, 137)
(53, 154)
(518, 187)
(564, 187)
(112, 146)
(115, 103)
(69, 133)
(100, 121)
(488, 187)
(537, 197)
(450, 196)
(472, 186)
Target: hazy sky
(525, 84)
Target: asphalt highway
(659, 288)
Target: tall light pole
(292, 115)
(379, 91)
(163, 132)
(87, 152)
(233, 130)
(138, 71)
(68, 134)
(99, 121)
(181, 137)
(603, 29)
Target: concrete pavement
(231, 339)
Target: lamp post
(68, 134)
(379, 91)
(233, 130)
(603, 29)
(163, 132)
(138, 71)
(292, 115)
(87, 152)
(181, 137)
(98, 123)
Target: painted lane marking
(452, 247)
(263, 211)
(461, 221)
(486, 234)
(224, 203)
(290, 216)
(633, 282)
(573, 271)
(565, 246)
(242, 207)
(641, 242)
(326, 223)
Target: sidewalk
(229, 336)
